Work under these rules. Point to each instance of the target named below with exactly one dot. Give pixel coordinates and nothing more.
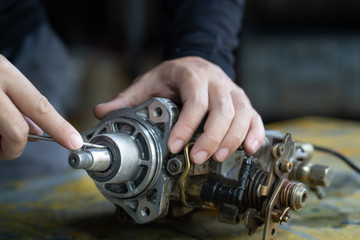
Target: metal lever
(46, 138)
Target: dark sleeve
(18, 18)
(205, 28)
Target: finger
(256, 134)
(34, 128)
(195, 105)
(132, 96)
(221, 113)
(238, 129)
(14, 129)
(35, 106)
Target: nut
(286, 166)
(174, 166)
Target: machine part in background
(146, 182)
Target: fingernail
(254, 145)
(76, 141)
(222, 154)
(176, 146)
(200, 157)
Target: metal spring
(253, 200)
(286, 192)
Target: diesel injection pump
(136, 172)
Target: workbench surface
(68, 206)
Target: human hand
(203, 88)
(23, 109)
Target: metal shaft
(90, 159)
(46, 138)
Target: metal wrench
(46, 138)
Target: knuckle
(190, 73)
(4, 65)
(18, 134)
(212, 140)
(61, 129)
(42, 106)
(3, 62)
(7, 155)
(17, 139)
(16, 153)
(237, 137)
(226, 108)
(199, 102)
(201, 105)
(187, 127)
(246, 109)
(257, 116)
(203, 68)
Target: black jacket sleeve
(17, 19)
(205, 28)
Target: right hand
(203, 88)
(24, 109)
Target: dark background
(296, 58)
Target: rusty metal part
(252, 220)
(270, 227)
(286, 166)
(293, 195)
(147, 182)
(312, 174)
(280, 216)
(282, 153)
(229, 214)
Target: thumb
(130, 97)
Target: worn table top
(68, 206)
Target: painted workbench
(68, 205)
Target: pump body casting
(146, 182)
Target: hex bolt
(174, 166)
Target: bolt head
(174, 166)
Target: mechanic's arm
(201, 38)
(23, 109)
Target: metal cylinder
(293, 195)
(125, 158)
(298, 197)
(92, 159)
(312, 174)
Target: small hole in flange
(145, 212)
(273, 232)
(157, 112)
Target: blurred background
(296, 58)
